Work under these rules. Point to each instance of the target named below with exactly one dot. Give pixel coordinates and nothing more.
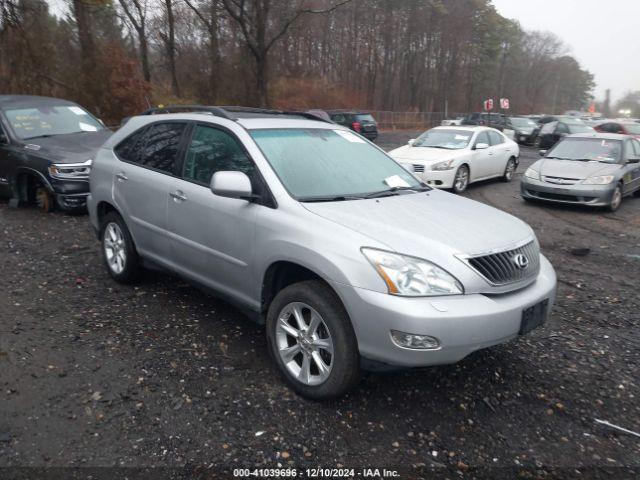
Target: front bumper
(462, 323)
(592, 195)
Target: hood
(425, 154)
(70, 148)
(574, 169)
(423, 224)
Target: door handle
(178, 196)
(122, 177)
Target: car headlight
(71, 171)
(602, 180)
(412, 277)
(446, 165)
(531, 173)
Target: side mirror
(542, 152)
(231, 185)
(633, 160)
(481, 146)
(411, 142)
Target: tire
(637, 193)
(461, 179)
(118, 250)
(45, 202)
(616, 199)
(315, 303)
(537, 141)
(509, 170)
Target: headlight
(412, 277)
(531, 173)
(72, 171)
(446, 165)
(603, 180)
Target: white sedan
(454, 157)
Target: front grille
(560, 180)
(418, 168)
(502, 268)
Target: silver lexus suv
(346, 257)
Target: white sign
(488, 104)
(504, 103)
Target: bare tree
(136, 13)
(255, 19)
(169, 41)
(209, 15)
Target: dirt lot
(94, 374)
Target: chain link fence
(388, 120)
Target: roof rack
(216, 111)
(225, 111)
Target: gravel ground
(94, 374)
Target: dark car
(493, 120)
(551, 132)
(46, 149)
(545, 119)
(360, 122)
(523, 129)
(624, 128)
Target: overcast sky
(604, 35)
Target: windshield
(442, 138)
(315, 164)
(522, 122)
(593, 149)
(632, 128)
(46, 121)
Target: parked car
(346, 257)
(454, 157)
(46, 149)
(551, 132)
(621, 127)
(360, 122)
(493, 120)
(545, 119)
(594, 169)
(448, 122)
(523, 129)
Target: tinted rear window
(365, 116)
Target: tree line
(117, 57)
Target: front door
(482, 159)
(143, 180)
(212, 237)
(632, 173)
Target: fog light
(415, 342)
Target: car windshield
(442, 138)
(522, 122)
(587, 149)
(365, 117)
(325, 165)
(632, 128)
(46, 121)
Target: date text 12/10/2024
(374, 473)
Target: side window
(482, 138)
(631, 149)
(496, 138)
(212, 150)
(636, 148)
(562, 128)
(160, 148)
(129, 149)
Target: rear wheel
(509, 170)
(312, 340)
(616, 199)
(461, 180)
(118, 250)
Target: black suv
(360, 122)
(46, 149)
(486, 119)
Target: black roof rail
(216, 111)
(268, 111)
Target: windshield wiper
(435, 146)
(329, 198)
(394, 191)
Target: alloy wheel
(616, 200)
(511, 168)
(461, 180)
(304, 343)
(115, 248)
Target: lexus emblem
(521, 261)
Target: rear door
(212, 237)
(502, 151)
(144, 178)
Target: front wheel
(118, 250)
(536, 142)
(44, 200)
(509, 170)
(312, 340)
(616, 199)
(461, 180)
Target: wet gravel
(94, 374)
